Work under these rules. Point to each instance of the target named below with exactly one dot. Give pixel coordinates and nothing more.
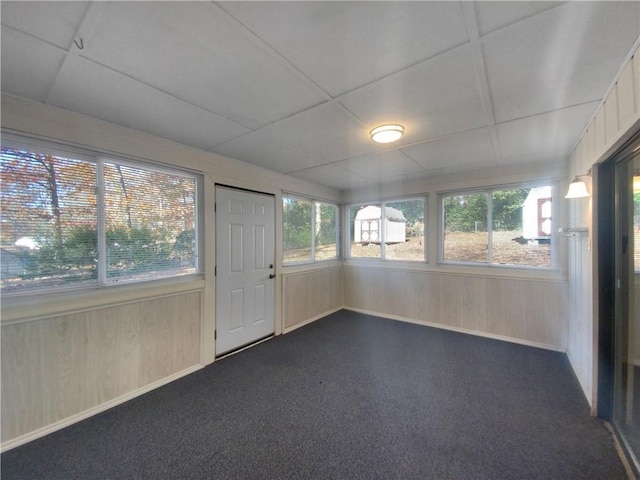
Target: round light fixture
(387, 133)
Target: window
(310, 230)
(498, 226)
(389, 231)
(51, 234)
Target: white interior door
(245, 278)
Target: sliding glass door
(626, 331)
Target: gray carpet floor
(350, 396)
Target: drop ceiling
(296, 86)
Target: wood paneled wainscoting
(310, 294)
(527, 311)
(59, 369)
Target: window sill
(493, 271)
(39, 305)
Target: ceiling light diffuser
(387, 133)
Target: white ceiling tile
(256, 149)
(96, 91)
(54, 22)
(194, 52)
(544, 137)
(326, 132)
(435, 98)
(494, 15)
(561, 57)
(29, 66)
(381, 166)
(331, 176)
(344, 45)
(469, 149)
(194, 73)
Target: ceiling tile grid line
(473, 30)
(273, 52)
(343, 46)
(34, 37)
(400, 71)
(164, 92)
(349, 112)
(297, 86)
(47, 22)
(537, 8)
(557, 58)
(230, 148)
(547, 112)
(31, 79)
(83, 32)
(201, 55)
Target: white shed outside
(368, 222)
(536, 214)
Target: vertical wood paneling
(612, 123)
(474, 303)
(582, 153)
(621, 111)
(58, 367)
(310, 294)
(590, 139)
(524, 310)
(599, 131)
(636, 74)
(626, 97)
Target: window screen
(50, 234)
(507, 226)
(310, 230)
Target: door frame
(276, 291)
(604, 252)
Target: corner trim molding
(311, 320)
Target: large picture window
(508, 226)
(391, 230)
(310, 230)
(69, 220)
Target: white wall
(67, 356)
(617, 118)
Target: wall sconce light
(578, 188)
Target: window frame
(382, 204)
(314, 201)
(99, 158)
(489, 190)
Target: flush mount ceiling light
(387, 133)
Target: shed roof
(372, 212)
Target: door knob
(272, 275)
